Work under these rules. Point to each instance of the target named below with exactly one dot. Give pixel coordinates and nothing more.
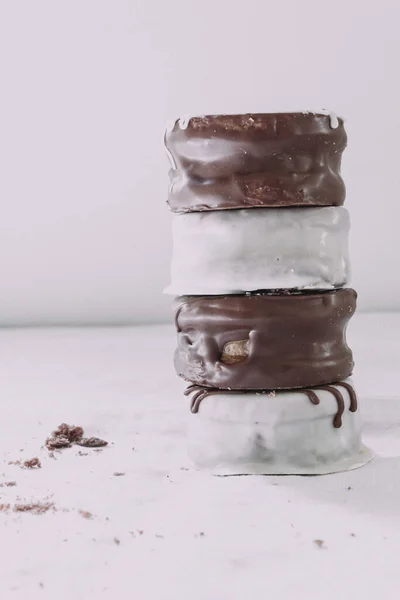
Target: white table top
(162, 530)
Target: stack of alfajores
(259, 268)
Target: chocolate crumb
(4, 507)
(64, 436)
(14, 462)
(319, 543)
(71, 432)
(349, 488)
(32, 463)
(8, 484)
(85, 514)
(117, 474)
(75, 434)
(92, 442)
(140, 531)
(57, 442)
(80, 453)
(36, 508)
(117, 541)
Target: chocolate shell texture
(234, 251)
(253, 160)
(264, 341)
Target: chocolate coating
(293, 341)
(253, 160)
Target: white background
(86, 89)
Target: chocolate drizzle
(201, 392)
(337, 421)
(352, 394)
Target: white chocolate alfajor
(236, 251)
(308, 431)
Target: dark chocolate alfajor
(255, 342)
(252, 160)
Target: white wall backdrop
(86, 89)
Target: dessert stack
(260, 264)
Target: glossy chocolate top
(256, 342)
(246, 161)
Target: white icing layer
(234, 251)
(275, 434)
(333, 120)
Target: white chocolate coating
(236, 251)
(281, 433)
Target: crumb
(157, 535)
(75, 434)
(319, 543)
(85, 514)
(184, 469)
(271, 394)
(200, 534)
(80, 453)
(140, 531)
(98, 450)
(349, 488)
(117, 541)
(107, 518)
(32, 463)
(92, 442)
(4, 507)
(8, 484)
(64, 436)
(353, 535)
(14, 462)
(41, 585)
(36, 508)
(118, 474)
(57, 442)
(71, 432)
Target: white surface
(233, 251)
(275, 434)
(258, 531)
(87, 87)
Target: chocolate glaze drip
(337, 421)
(200, 392)
(294, 341)
(248, 161)
(312, 396)
(352, 394)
